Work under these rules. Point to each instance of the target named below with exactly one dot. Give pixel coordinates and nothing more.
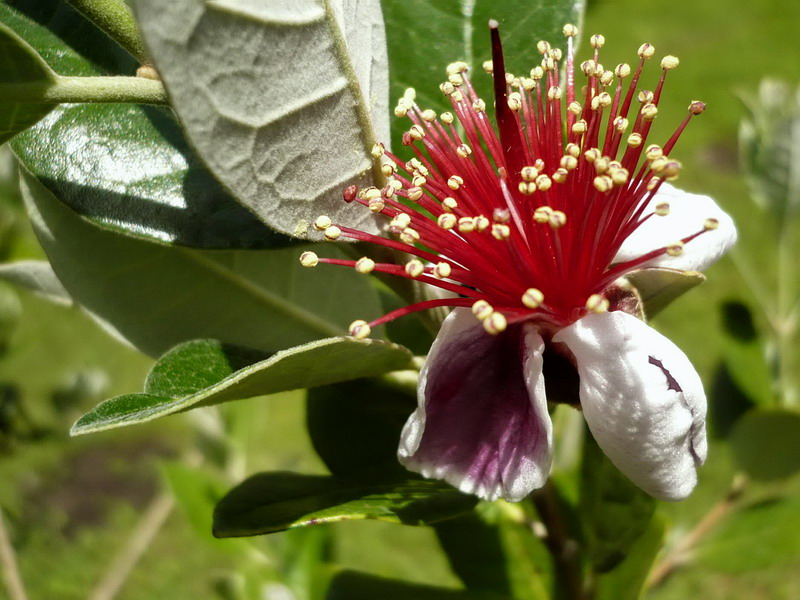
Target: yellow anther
(542, 214)
(649, 111)
(675, 249)
(449, 204)
(557, 219)
(418, 181)
(515, 101)
(538, 164)
(416, 132)
(332, 233)
(603, 99)
(370, 193)
(543, 46)
(622, 70)
(555, 53)
(529, 173)
(378, 150)
(401, 221)
(482, 223)
(360, 329)
(711, 224)
(414, 268)
(592, 154)
(409, 235)
(603, 183)
(501, 215)
(548, 64)
(670, 62)
(543, 183)
(587, 67)
(442, 270)
(560, 175)
(620, 124)
(572, 149)
(510, 79)
(653, 183)
(662, 209)
(388, 191)
(409, 95)
(607, 77)
(500, 231)
(653, 151)
(376, 205)
(466, 224)
(555, 93)
(635, 140)
(322, 222)
(456, 79)
(697, 107)
(309, 259)
(447, 118)
(597, 41)
(415, 193)
(457, 67)
(488, 66)
(482, 309)
(532, 298)
(429, 115)
(528, 84)
(601, 164)
(570, 30)
(455, 182)
(568, 162)
(537, 73)
(580, 127)
(671, 170)
(447, 88)
(619, 176)
(365, 265)
(596, 304)
(457, 95)
(646, 51)
(387, 169)
(526, 188)
(396, 184)
(446, 221)
(495, 323)
(575, 108)
(645, 96)
(479, 106)
(401, 110)
(463, 151)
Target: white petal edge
(534, 472)
(655, 435)
(687, 215)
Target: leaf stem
(63, 89)
(680, 552)
(115, 18)
(8, 559)
(562, 547)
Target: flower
(529, 231)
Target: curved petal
(687, 215)
(482, 423)
(642, 399)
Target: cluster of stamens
(521, 221)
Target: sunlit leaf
(282, 101)
(205, 372)
(270, 502)
(659, 287)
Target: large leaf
(351, 585)
(205, 372)
(36, 276)
(766, 443)
(418, 56)
(659, 287)
(20, 64)
(615, 512)
(157, 296)
(282, 101)
(127, 167)
(270, 502)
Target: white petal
(642, 399)
(687, 215)
(482, 423)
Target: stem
(562, 547)
(680, 553)
(153, 519)
(8, 559)
(62, 89)
(115, 18)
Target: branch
(115, 18)
(8, 559)
(138, 90)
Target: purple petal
(642, 399)
(482, 423)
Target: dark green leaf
(626, 580)
(270, 502)
(20, 63)
(755, 537)
(727, 402)
(659, 287)
(351, 585)
(157, 296)
(127, 167)
(355, 427)
(205, 372)
(766, 443)
(615, 512)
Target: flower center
(522, 221)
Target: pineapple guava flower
(530, 229)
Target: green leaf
(355, 427)
(127, 167)
(206, 372)
(36, 276)
(418, 58)
(352, 585)
(20, 63)
(615, 512)
(626, 581)
(659, 287)
(766, 443)
(270, 502)
(755, 537)
(283, 103)
(157, 296)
